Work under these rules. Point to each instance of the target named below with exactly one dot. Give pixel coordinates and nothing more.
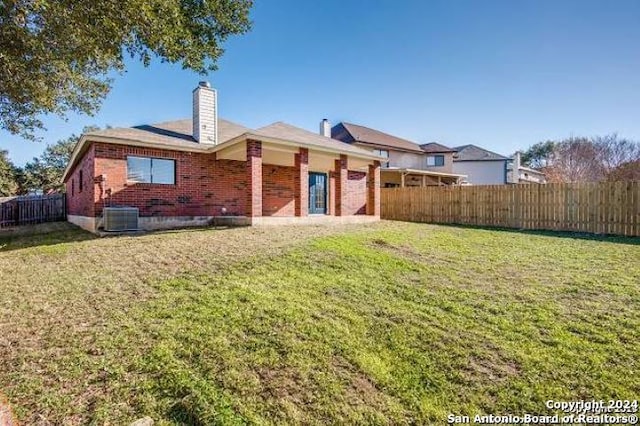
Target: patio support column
(254, 179)
(401, 180)
(341, 185)
(439, 180)
(424, 180)
(301, 193)
(373, 189)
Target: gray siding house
(482, 167)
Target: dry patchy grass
(386, 323)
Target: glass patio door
(317, 193)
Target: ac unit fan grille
(120, 219)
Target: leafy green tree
(8, 184)
(55, 55)
(45, 172)
(539, 155)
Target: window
(73, 187)
(80, 181)
(151, 170)
(383, 153)
(435, 160)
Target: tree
(626, 172)
(581, 159)
(8, 184)
(575, 160)
(619, 156)
(55, 54)
(45, 172)
(539, 155)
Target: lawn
(388, 323)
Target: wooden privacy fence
(15, 211)
(599, 208)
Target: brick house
(195, 171)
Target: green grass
(380, 324)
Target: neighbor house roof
(365, 135)
(177, 135)
(475, 153)
(286, 131)
(435, 147)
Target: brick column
(301, 194)
(373, 189)
(341, 185)
(331, 199)
(254, 179)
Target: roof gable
(284, 131)
(375, 137)
(475, 153)
(434, 147)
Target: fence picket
(606, 207)
(27, 210)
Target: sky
(499, 74)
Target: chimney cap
(204, 84)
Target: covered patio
(292, 184)
(404, 177)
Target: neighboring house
(523, 174)
(408, 164)
(192, 172)
(482, 167)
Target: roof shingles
(291, 133)
(361, 134)
(476, 153)
(434, 147)
(177, 135)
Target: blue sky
(501, 74)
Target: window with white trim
(151, 170)
(435, 160)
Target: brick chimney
(205, 114)
(325, 128)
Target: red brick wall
(253, 171)
(341, 188)
(203, 186)
(278, 190)
(373, 189)
(229, 190)
(80, 203)
(301, 187)
(356, 196)
(332, 193)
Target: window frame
(379, 152)
(435, 158)
(151, 159)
